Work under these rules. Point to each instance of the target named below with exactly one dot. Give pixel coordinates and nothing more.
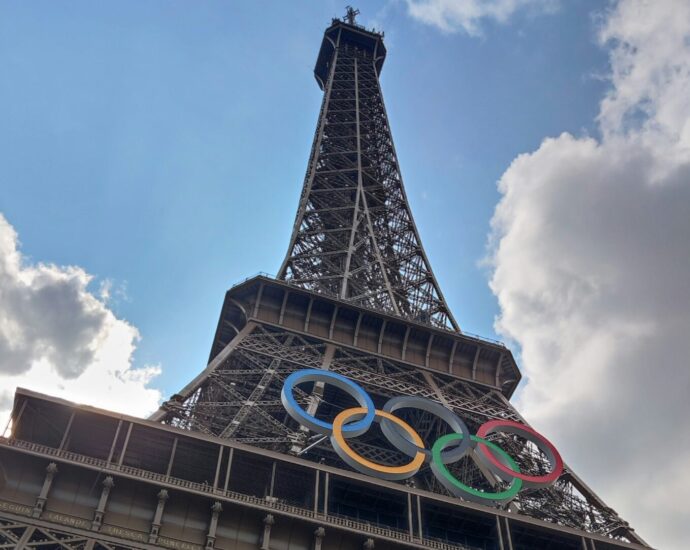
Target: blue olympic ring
(352, 429)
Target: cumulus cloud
(453, 15)
(57, 337)
(590, 247)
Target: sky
(152, 155)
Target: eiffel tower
(224, 463)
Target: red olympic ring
(543, 444)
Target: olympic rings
(366, 466)
(459, 489)
(355, 421)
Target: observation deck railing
(276, 505)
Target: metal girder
(16, 535)
(354, 236)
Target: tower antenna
(351, 15)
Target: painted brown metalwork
(354, 236)
(222, 465)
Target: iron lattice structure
(19, 534)
(240, 399)
(354, 236)
(222, 465)
(354, 240)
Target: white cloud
(591, 267)
(57, 337)
(453, 15)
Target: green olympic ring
(459, 489)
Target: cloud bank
(59, 338)
(590, 247)
(468, 15)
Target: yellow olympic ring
(372, 468)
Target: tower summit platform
(348, 32)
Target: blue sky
(163, 147)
